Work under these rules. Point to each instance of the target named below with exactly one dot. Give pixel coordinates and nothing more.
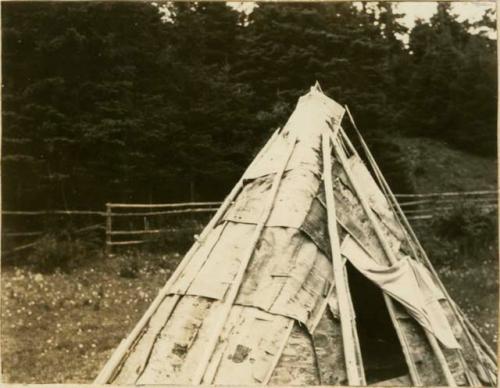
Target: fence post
(108, 229)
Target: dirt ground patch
(62, 327)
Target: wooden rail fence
(417, 207)
(121, 210)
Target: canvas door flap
(404, 282)
(296, 192)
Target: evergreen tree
(212, 114)
(453, 79)
(114, 101)
(75, 78)
(287, 47)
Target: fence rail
(120, 211)
(417, 207)
(448, 194)
(163, 205)
(53, 212)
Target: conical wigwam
(308, 274)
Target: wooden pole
(413, 239)
(449, 194)
(405, 347)
(238, 279)
(165, 205)
(412, 369)
(476, 333)
(110, 368)
(108, 230)
(164, 212)
(407, 228)
(462, 318)
(450, 380)
(144, 362)
(355, 374)
(52, 212)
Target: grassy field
(436, 167)
(62, 327)
(475, 289)
(471, 279)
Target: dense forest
(156, 102)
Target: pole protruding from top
(317, 87)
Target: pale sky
(419, 10)
(424, 10)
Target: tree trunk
(191, 190)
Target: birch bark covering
(284, 324)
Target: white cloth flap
(409, 283)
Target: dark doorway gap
(381, 351)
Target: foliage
(464, 235)
(60, 252)
(113, 101)
(453, 79)
(129, 266)
(470, 226)
(179, 237)
(393, 161)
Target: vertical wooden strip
(473, 330)
(116, 359)
(178, 345)
(355, 333)
(278, 354)
(247, 255)
(405, 346)
(391, 257)
(249, 347)
(138, 357)
(327, 342)
(354, 375)
(412, 238)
